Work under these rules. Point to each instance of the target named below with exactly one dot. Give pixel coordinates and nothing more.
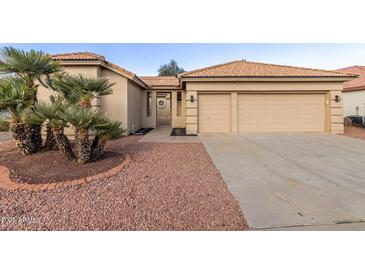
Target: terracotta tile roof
(356, 84)
(78, 56)
(243, 68)
(160, 81)
(88, 56)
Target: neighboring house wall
(353, 99)
(333, 110)
(135, 94)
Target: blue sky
(145, 59)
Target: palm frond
(29, 65)
(48, 111)
(82, 118)
(80, 87)
(109, 129)
(15, 96)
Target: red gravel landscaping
(355, 132)
(165, 187)
(50, 166)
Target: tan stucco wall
(148, 121)
(90, 71)
(334, 115)
(123, 105)
(352, 99)
(263, 86)
(135, 94)
(178, 121)
(191, 112)
(115, 105)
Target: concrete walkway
(293, 181)
(162, 135)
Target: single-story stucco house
(354, 92)
(238, 96)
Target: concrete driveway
(291, 180)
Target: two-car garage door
(262, 112)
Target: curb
(9, 185)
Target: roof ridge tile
(208, 67)
(257, 69)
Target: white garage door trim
(284, 112)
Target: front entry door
(163, 109)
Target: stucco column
(234, 112)
(336, 112)
(191, 112)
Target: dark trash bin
(357, 120)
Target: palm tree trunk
(22, 139)
(35, 131)
(50, 143)
(83, 146)
(35, 135)
(97, 148)
(85, 104)
(63, 144)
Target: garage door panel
(281, 112)
(214, 113)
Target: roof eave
(354, 89)
(163, 87)
(108, 65)
(268, 78)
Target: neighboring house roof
(161, 81)
(243, 68)
(356, 84)
(88, 56)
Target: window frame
(148, 104)
(178, 100)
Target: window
(178, 103)
(149, 101)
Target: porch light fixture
(337, 98)
(192, 98)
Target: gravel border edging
(9, 185)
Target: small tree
(50, 112)
(170, 69)
(72, 106)
(104, 132)
(34, 68)
(16, 98)
(80, 90)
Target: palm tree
(50, 112)
(16, 98)
(33, 67)
(83, 120)
(86, 120)
(104, 132)
(80, 89)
